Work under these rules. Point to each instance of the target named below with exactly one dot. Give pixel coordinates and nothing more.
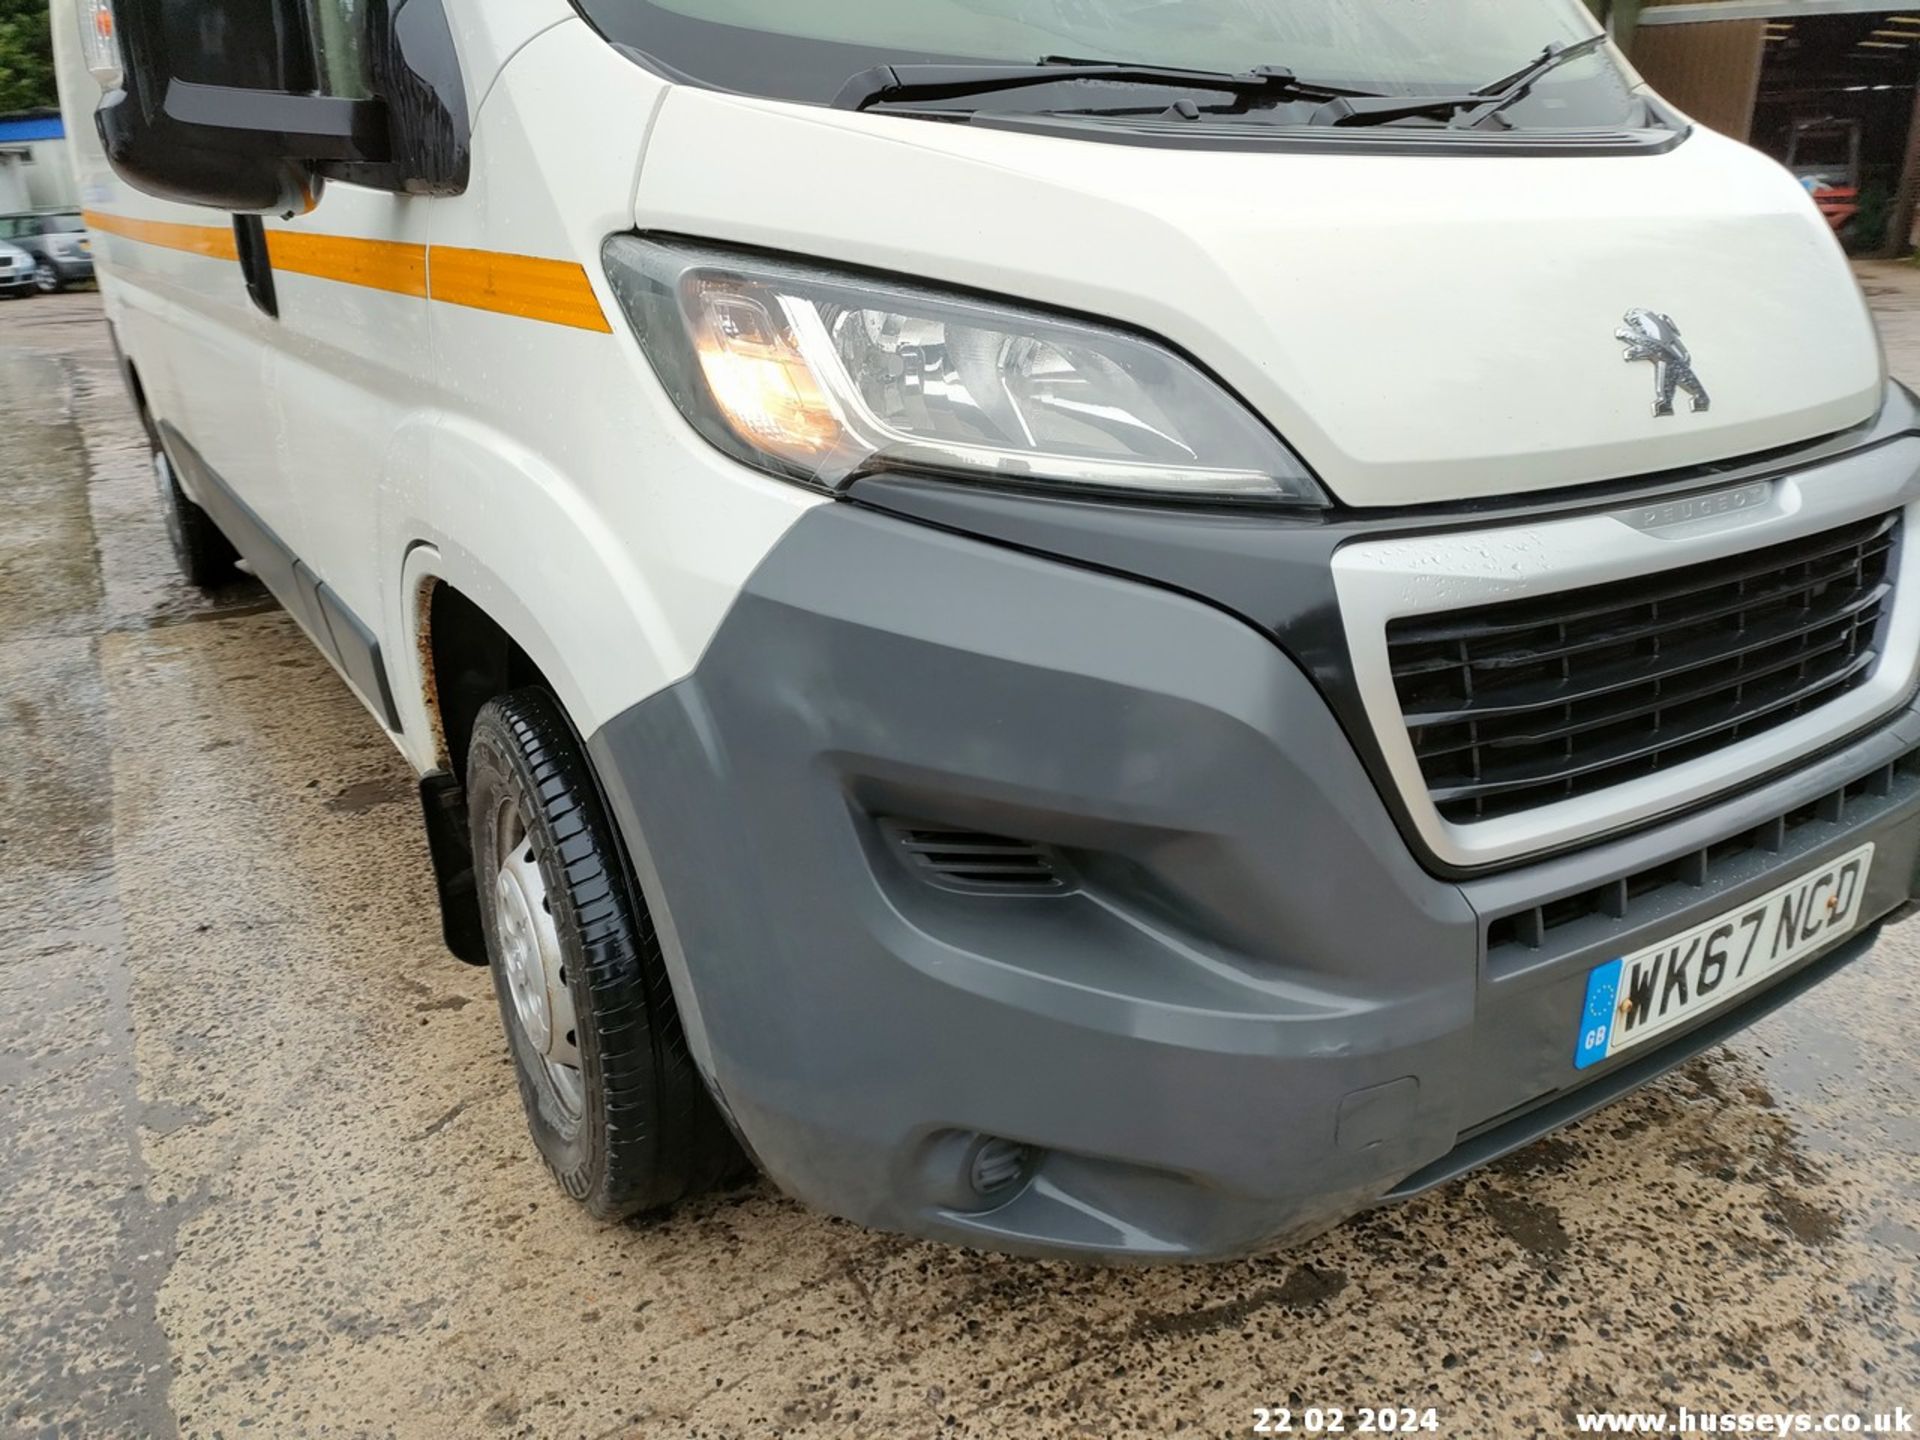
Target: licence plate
(1638, 997)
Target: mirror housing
(218, 105)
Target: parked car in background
(58, 242)
(16, 271)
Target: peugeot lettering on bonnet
(1060, 628)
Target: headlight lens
(820, 378)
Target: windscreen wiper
(905, 84)
(1464, 112)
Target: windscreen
(807, 50)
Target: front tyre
(46, 279)
(615, 1105)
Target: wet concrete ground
(262, 1167)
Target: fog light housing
(997, 1168)
(972, 1173)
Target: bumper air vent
(1532, 702)
(978, 863)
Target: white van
(1088, 627)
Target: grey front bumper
(1250, 1014)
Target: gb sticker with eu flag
(1596, 1022)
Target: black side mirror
(219, 104)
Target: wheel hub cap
(536, 971)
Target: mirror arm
(270, 124)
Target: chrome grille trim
(1381, 581)
(1517, 705)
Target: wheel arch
(461, 652)
(136, 386)
(471, 637)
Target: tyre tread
(660, 1137)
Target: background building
(1826, 86)
(35, 173)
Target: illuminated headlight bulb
(821, 378)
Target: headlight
(821, 377)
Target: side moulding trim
(340, 634)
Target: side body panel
(346, 370)
(449, 378)
(565, 495)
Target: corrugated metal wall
(1711, 71)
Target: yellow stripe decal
(213, 241)
(555, 292)
(371, 264)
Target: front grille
(1536, 701)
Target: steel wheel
(613, 1101)
(535, 967)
